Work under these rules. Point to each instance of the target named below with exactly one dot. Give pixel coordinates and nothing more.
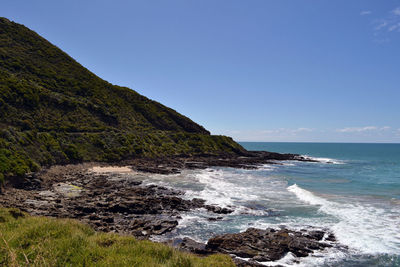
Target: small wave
(288, 164)
(267, 167)
(324, 160)
(307, 196)
(188, 219)
(288, 260)
(362, 227)
(218, 190)
(317, 258)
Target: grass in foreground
(39, 241)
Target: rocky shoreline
(111, 202)
(246, 160)
(262, 245)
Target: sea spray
(366, 228)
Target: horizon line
(389, 143)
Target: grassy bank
(38, 241)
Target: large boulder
(268, 245)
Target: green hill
(55, 111)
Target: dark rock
(94, 217)
(213, 219)
(198, 202)
(146, 228)
(218, 210)
(267, 245)
(316, 235)
(189, 245)
(108, 219)
(331, 237)
(242, 263)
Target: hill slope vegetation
(55, 111)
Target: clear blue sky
(256, 70)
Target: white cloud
(381, 25)
(365, 13)
(286, 131)
(396, 11)
(388, 24)
(356, 129)
(302, 130)
(394, 27)
(362, 129)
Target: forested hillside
(55, 111)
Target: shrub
(73, 153)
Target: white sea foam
(188, 219)
(288, 164)
(318, 258)
(267, 167)
(282, 163)
(362, 227)
(324, 160)
(220, 191)
(288, 260)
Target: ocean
(354, 192)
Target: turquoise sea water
(354, 192)
(361, 169)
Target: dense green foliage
(40, 241)
(53, 110)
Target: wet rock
(213, 219)
(218, 210)
(195, 165)
(316, 235)
(267, 245)
(331, 237)
(242, 263)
